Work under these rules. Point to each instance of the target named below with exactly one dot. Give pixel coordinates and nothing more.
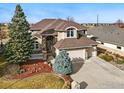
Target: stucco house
(54, 35)
(111, 37)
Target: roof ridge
(59, 25)
(47, 26)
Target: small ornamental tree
(62, 63)
(20, 45)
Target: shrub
(3, 64)
(119, 61)
(12, 69)
(119, 56)
(2, 67)
(100, 50)
(62, 63)
(106, 57)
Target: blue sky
(82, 13)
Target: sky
(81, 12)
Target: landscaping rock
(45, 63)
(75, 85)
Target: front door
(50, 41)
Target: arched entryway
(50, 41)
(49, 38)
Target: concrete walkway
(95, 73)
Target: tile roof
(49, 32)
(56, 24)
(108, 34)
(72, 43)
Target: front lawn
(47, 81)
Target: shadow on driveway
(76, 66)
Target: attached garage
(83, 48)
(77, 53)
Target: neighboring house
(109, 36)
(54, 35)
(95, 24)
(118, 23)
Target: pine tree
(62, 63)
(20, 45)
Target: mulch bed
(67, 78)
(33, 67)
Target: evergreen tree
(62, 63)
(20, 45)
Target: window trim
(36, 45)
(70, 32)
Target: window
(118, 47)
(36, 45)
(33, 46)
(70, 32)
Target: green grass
(42, 81)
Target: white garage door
(78, 53)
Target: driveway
(96, 73)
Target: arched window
(70, 32)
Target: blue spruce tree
(20, 45)
(62, 63)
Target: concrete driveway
(95, 73)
